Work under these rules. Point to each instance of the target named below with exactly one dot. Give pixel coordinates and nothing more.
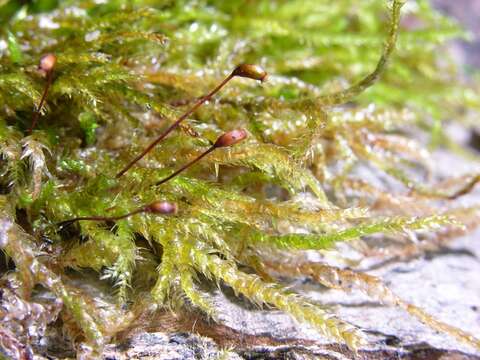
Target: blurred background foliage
(318, 43)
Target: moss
(125, 70)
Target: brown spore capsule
(231, 138)
(47, 62)
(162, 207)
(46, 65)
(250, 71)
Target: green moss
(127, 69)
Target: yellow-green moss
(126, 69)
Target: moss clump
(125, 71)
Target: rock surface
(466, 12)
